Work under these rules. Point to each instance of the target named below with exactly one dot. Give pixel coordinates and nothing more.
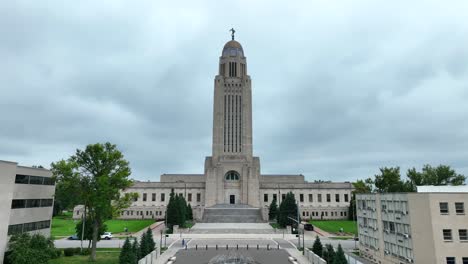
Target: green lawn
(101, 258)
(333, 226)
(64, 225)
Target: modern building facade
(429, 227)
(232, 173)
(27, 196)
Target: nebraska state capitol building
(232, 174)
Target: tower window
(232, 176)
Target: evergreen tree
(340, 257)
(143, 245)
(288, 208)
(317, 248)
(273, 210)
(172, 211)
(181, 206)
(136, 256)
(150, 241)
(189, 212)
(328, 253)
(126, 254)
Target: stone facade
(28, 196)
(232, 174)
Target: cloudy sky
(340, 88)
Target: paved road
(345, 244)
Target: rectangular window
(15, 229)
(265, 197)
(319, 197)
(48, 181)
(135, 199)
(328, 197)
(153, 197)
(311, 198)
(283, 196)
(460, 208)
(22, 179)
(46, 202)
(189, 197)
(450, 260)
(36, 180)
(18, 203)
(346, 197)
(30, 203)
(462, 233)
(198, 197)
(144, 197)
(465, 260)
(337, 197)
(444, 208)
(301, 197)
(274, 197)
(303, 213)
(447, 233)
(162, 197)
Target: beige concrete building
(27, 196)
(232, 173)
(429, 227)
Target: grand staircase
(227, 213)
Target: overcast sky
(340, 88)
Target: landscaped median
(334, 226)
(64, 225)
(103, 256)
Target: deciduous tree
(99, 174)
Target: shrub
(25, 247)
(57, 253)
(85, 252)
(68, 252)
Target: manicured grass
(64, 225)
(333, 226)
(118, 226)
(101, 258)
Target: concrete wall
(7, 182)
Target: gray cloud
(339, 89)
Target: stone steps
(233, 231)
(232, 215)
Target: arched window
(232, 176)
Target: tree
(66, 178)
(360, 186)
(147, 244)
(99, 174)
(26, 248)
(340, 257)
(440, 175)
(172, 211)
(328, 253)
(182, 210)
(88, 232)
(389, 180)
(317, 247)
(273, 210)
(127, 256)
(136, 251)
(150, 241)
(288, 208)
(143, 245)
(189, 212)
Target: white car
(106, 236)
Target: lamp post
(185, 187)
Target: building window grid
(463, 235)
(443, 206)
(450, 260)
(37, 180)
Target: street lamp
(185, 187)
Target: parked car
(309, 227)
(73, 237)
(107, 236)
